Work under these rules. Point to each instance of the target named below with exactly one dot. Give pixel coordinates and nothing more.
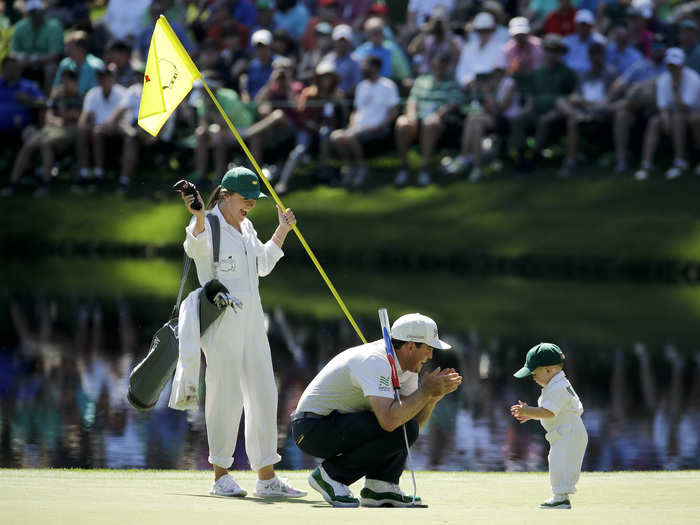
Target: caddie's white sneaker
(556, 503)
(333, 492)
(227, 486)
(377, 493)
(277, 488)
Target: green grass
(590, 216)
(75, 497)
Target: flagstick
(276, 198)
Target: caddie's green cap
(543, 354)
(243, 181)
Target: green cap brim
(523, 372)
(253, 194)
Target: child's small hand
(519, 411)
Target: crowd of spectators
(490, 82)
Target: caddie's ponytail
(216, 196)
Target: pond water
(631, 351)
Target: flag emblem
(172, 72)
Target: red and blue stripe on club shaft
(391, 356)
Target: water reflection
(65, 361)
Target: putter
(384, 322)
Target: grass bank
(508, 307)
(610, 219)
(116, 497)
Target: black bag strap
(215, 235)
(216, 245)
(185, 271)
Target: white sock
(561, 497)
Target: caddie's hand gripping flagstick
(391, 356)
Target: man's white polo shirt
(346, 381)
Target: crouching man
(348, 416)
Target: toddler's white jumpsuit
(566, 433)
(239, 371)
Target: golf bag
(149, 377)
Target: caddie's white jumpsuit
(566, 433)
(239, 371)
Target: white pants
(239, 377)
(567, 445)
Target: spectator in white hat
(480, 55)
(578, 42)
(678, 102)
(523, 51)
(500, 32)
(259, 68)
(347, 68)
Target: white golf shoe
(377, 493)
(227, 486)
(334, 492)
(277, 488)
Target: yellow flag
(168, 78)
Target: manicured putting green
(103, 497)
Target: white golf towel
(184, 394)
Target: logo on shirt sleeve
(384, 384)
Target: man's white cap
(484, 20)
(675, 56)
(519, 26)
(419, 329)
(342, 31)
(261, 36)
(584, 16)
(34, 5)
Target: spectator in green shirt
(212, 131)
(430, 111)
(37, 42)
(541, 90)
(79, 60)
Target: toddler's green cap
(243, 181)
(543, 354)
